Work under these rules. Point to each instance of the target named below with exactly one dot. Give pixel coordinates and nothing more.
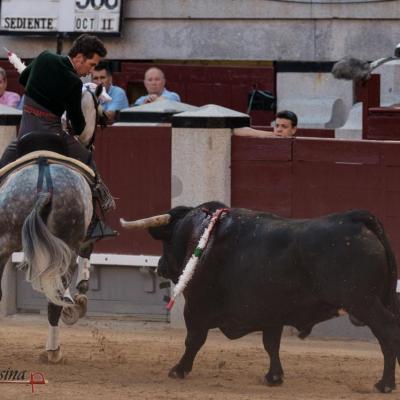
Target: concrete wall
(318, 99)
(390, 83)
(245, 30)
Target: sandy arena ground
(119, 359)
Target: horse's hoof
(70, 314)
(81, 302)
(52, 357)
(83, 286)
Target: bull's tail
(390, 298)
(47, 258)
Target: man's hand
(150, 98)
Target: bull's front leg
(195, 338)
(272, 341)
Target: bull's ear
(164, 232)
(179, 212)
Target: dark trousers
(48, 124)
(74, 150)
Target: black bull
(260, 272)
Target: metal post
(60, 42)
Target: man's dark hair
(88, 45)
(290, 115)
(103, 65)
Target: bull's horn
(157, 220)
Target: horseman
(52, 86)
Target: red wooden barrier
(135, 162)
(227, 86)
(262, 174)
(331, 176)
(304, 178)
(390, 160)
(379, 123)
(383, 123)
(297, 178)
(369, 94)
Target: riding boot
(101, 194)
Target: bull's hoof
(384, 388)
(273, 379)
(81, 301)
(51, 357)
(70, 314)
(177, 373)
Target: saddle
(53, 158)
(34, 147)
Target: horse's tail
(47, 258)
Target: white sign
(52, 16)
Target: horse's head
(93, 96)
(99, 96)
(98, 93)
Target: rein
(190, 267)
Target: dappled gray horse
(49, 227)
(46, 209)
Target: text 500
(97, 4)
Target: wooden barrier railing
(135, 162)
(302, 178)
(383, 123)
(379, 123)
(299, 178)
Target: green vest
(52, 82)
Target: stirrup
(100, 230)
(103, 194)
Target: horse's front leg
(77, 309)
(53, 353)
(8, 303)
(3, 262)
(82, 279)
